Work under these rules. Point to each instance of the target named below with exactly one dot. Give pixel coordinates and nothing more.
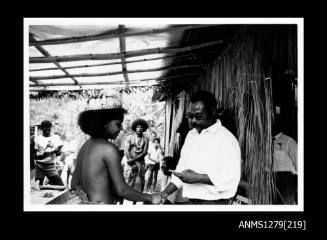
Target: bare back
(92, 173)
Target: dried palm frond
(242, 87)
(237, 78)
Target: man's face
(46, 131)
(277, 127)
(153, 136)
(139, 129)
(199, 117)
(113, 128)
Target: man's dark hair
(92, 122)
(141, 122)
(278, 124)
(169, 163)
(208, 99)
(45, 124)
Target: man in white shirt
(48, 147)
(284, 164)
(209, 168)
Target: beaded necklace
(138, 147)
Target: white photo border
(150, 21)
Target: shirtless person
(98, 171)
(136, 148)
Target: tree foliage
(63, 108)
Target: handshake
(158, 198)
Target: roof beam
(37, 78)
(186, 56)
(47, 54)
(113, 34)
(123, 83)
(110, 56)
(114, 82)
(122, 45)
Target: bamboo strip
(187, 56)
(110, 56)
(114, 73)
(161, 79)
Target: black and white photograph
(163, 114)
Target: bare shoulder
(128, 138)
(110, 151)
(99, 147)
(105, 145)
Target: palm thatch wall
(174, 141)
(241, 79)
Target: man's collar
(212, 129)
(278, 135)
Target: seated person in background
(48, 147)
(98, 177)
(153, 159)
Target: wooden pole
(113, 73)
(115, 82)
(110, 56)
(123, 83)
(122, 46)
(190, 56)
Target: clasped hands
(187, 176)
(158, 198)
